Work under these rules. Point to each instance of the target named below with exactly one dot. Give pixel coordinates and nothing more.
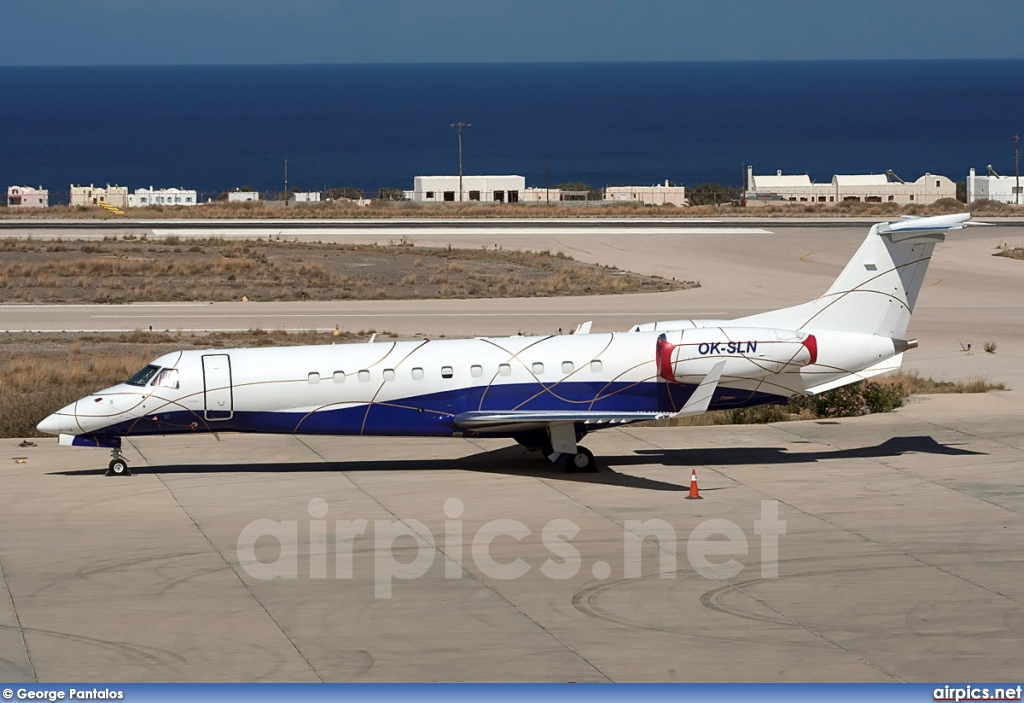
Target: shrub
(990, 347)
(852, 400)
(883, 397)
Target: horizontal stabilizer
(887, 366)
(911, 227)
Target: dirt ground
(130, 269)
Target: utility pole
(286, 182)
(1016, 190)
(547, 183)
(743, 184)
(460, 125)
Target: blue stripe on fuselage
(431, 415)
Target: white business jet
(544, 392)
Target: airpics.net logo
(711, 549)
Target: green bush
(883, 397)
(850, 401)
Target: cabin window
(504, 370)
(364, 375)
(314, 378)
(476, 370)
(417, 374)
(339, 376)
(596, 366)
(567, 367)
(167, 378)
(389, 374)
(538, 368)
(143, 377)
(447, 372)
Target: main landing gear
(558, 444)
(118, 465)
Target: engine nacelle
(686, 356)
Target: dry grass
(1011, 252)
(130, 269)
(914, 384)
(344, 210)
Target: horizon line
(518, 63)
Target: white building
(311, 197)
(26, 196)
(85, 196)
(485, 189)
(143, 197)
(243, 196)
(872, 188)
(540, 195)
(647, 195)
(1002, 189)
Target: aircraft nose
(58, 422)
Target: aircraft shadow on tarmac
(738, 456)
(513, 461)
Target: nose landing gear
(118, 465)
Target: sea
(215, 128)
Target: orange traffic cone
(694, 493)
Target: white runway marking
(466, 232)
(404, 314)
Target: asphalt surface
(900, 557)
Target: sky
(209, 32)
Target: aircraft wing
(514, 420)
(536, 419)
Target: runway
(898, 535)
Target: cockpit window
(167, 378)
(142, 377)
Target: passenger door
(217, 394)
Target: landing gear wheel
(582, 461)
(118, 465)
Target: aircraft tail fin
(876, 292)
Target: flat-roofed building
(484, 189)
(540, 195)
(85, 196)
(26, 196)
(310, 197)
(647, 195)
(1002, 189)
(243, 196)
(144, 197)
